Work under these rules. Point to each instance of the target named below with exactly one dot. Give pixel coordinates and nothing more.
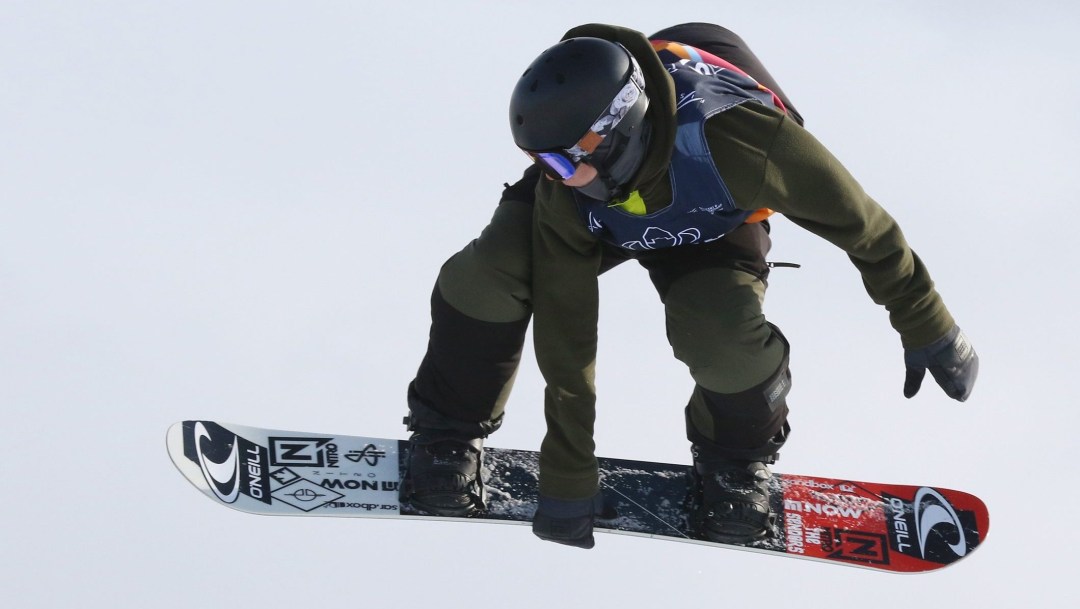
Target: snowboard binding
(443, 474)
(730, 499)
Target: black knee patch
(467, 367)
(751, 424)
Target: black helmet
(573, 96)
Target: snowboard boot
(443, 473)
(733, 498)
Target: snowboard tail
(886, 527)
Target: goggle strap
(589, 142)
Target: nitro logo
(303, 452)
(231, 465)
(929, 527)
(856, 546)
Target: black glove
(570, 522)
(951, 360)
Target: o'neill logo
(931, 510)
(231, 465)
(929, 527)
(223, 476)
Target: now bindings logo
(929, 527)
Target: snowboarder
(672, 151)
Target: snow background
(236, 210)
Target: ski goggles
(561, 163)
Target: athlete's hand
(951, 360)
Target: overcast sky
(236, 210)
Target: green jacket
(767, 161)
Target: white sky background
(236, 211)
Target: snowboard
(885, 527)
